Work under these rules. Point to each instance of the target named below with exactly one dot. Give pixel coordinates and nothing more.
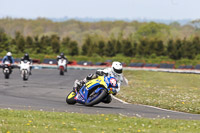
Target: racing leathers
(109, 72)
(59, 57)
(9, 58)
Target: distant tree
(110, 49)
(17, 35)
(196, 42)
(188, 49)
(55, 44)
(87, 47)
(101, 48)
(73, 48)
(153, 29)
(84, 49)
(143, 48)
(37, 47)
(127, 48)
(177, 54)
(20, 42)
(171, 49)
(196, 24)
(66, 41)
(152, 46)
(159, 48)
(4, 42)
(2, 30)
(118, 47)
(65, 45)
(135, 45)
(29, 42)
(45, 44)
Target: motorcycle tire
(25, 75)
(70, 98)
(6, 76)
(61, 72)
(101, 96)
(25, 78)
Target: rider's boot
(30, 70)
(76, 85)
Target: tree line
(101, 46)
(145, 47)
(77, 30)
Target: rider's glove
(113, 91)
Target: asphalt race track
(46, 90)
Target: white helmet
(117, 67)
(9, 54)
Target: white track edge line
(150, 106)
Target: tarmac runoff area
(46, 90)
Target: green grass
(14, 121)
(174, 91)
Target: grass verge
(174, 91)
(51, 122)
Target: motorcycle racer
(61, 56)
(26, 57)
(115, 71)
(9, 58)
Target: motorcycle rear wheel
(97, 100)
(6, 76)
(61, 72)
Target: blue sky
(119, 9)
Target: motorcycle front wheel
(25, 75)
(70, 98)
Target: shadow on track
(96, 107)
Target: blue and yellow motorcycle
(94, 91)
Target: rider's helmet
(62, 55)
(117, 67)
(9, 54)
(26, 55)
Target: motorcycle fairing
(92, 84)
(99, 83)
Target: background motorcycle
(94, 91)
(62, 66)
(7, 69)
(25, 69)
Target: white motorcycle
(25, 69)
(62, 66)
